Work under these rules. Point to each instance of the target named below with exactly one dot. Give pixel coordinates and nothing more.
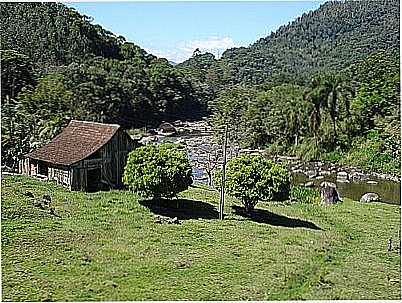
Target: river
(351, 183)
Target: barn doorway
(93, 179)
(43, 169)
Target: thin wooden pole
(222, 196)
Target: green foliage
(16, 72)
(15, 133)
(377, 95)
(308, 150)
(157, 171)
(301, 194)
(322, 120)
(253, 178)
(84, 72)
(230, 108)
(330, 38)
(333, 156)
(277, 115)
(53, 34)
(374, 154)
(35, 116)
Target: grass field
(106, 246)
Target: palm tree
(325, 93)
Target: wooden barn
(86, 156)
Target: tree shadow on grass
(183, 209)
(267, 217)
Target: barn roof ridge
(77, 141)
(93, 122)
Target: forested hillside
(325, 86)
(51, 33)
(336, 35)
(56, 66)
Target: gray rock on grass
(369, 197)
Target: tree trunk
(209, 178)
(329, 194)
(249, 206)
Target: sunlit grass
(106, 246)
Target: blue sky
(173, 30)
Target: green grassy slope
(106, 246)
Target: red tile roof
(77, 141)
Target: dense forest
(56, 65)
(325, 86)
(330, 38)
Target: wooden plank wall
(112, 160)
(62, 176)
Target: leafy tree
(15, 133)
(229, 108)
(157, 171)
(16, 72)
(376, 80)
(254, 178)
(325, 94)
(277, 115)
(35, 116)
(47, 107)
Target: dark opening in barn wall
(94, 179)
(43, 168)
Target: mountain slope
(327, 39)
(52, 33)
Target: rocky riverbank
(198, 139)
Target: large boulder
(311, 174)
(166, 128)
(369, 197)
(329, 194)
(342, 175)
(309, 184)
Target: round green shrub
(254, 178)
(157, 171)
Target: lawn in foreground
(106, 246)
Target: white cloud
(184, 50)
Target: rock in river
(311, 174)
(342, 175)
(369, 197)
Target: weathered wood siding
(110, 159)
(24, 166)
(61, 175)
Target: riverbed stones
(341, 175)
(325, 172)
(369, 197)
(311, 174)
(329, 194)
(372, 182)
(309, 184)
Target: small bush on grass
(303, 194)
(157, 171)
(254, 178)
